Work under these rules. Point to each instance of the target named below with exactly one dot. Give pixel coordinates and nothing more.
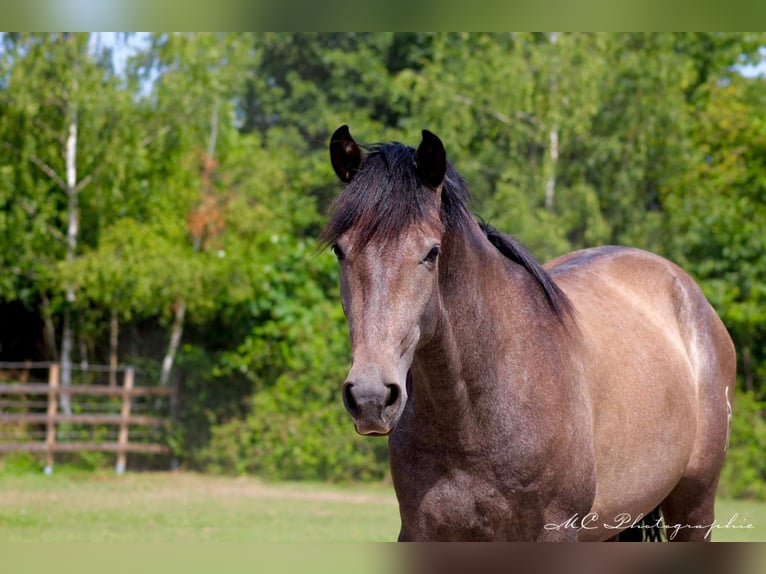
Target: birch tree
(198, 77)
(66, 103)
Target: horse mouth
(375, 433)
(377, 425)
(374, 430)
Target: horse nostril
(348, 399)
(393, 394)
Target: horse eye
(433, 254)
(337, 251)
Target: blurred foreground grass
(187, 507)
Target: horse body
(521, 404)
(659, 369)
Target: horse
(521, 402)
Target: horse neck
(490, 313)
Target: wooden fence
(51, 418)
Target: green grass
(163, 507)
(740, 513)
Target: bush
(318, 444)
(285, 375)
(744, 472)
(19, 463)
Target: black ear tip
(345, 155)
(431, 159)
(342, 133)
(431, 138)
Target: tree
(718, 214)
(64, 141)
(516, 110)
(197, 79)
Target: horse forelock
(386, 197)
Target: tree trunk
(553, 134)
(175, 341)
(211, 143)
(50, 330)
(83, 355)
(180, 313)
(66, 364)
(114, 334)
(550, 186)
(73, 223)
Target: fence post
(122, 439)
(50, 438)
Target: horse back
(616, 285)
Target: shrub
(744, 472)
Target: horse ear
(431, 160)
(345, 155)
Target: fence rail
(88, 419)
(44, 389)
(52, 418)
(70, 447)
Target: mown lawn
(186, 507)
(740, 513)
(163, 507)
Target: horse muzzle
(375, 407)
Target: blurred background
(161, 195)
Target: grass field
(163, 507)
(185, 507)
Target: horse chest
(440, 500)
(456, 506)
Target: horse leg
(689, 510)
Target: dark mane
(513, 250)
(386, 196)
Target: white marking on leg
(728, 420)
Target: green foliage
(49, 82)
(744, 474)
(295, 356)
(274, 441)
(205, 180)
(19, 464)
(718, 213)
